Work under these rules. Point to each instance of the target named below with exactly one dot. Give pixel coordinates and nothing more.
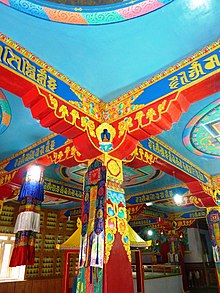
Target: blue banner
(143, 222)
(157, 195)
(165, 153)
(196, 70)
(62, 189)
(35, 152)
(76, 212)
(193, 215)
(32, 71)
(154, 213)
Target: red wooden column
(104, 258)
(65, 282)
(139, 271)
(117, 266)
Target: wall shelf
(49, 262)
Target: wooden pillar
(65, 282)
(104, 258)
(139, 271)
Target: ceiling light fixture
(150, 232)
(178, 198)
(34, 173)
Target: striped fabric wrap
(27, 224)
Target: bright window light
(6, 247)
(5, 261)
(178, 199)
(18, 272)
(3, 237)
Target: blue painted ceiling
(209, 165)
(23, 130)
(108, 60)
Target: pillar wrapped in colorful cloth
(28, 220)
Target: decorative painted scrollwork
(124, 126)
(111, 229)
(75, 115)
(116, 221)
(83, 12)
(211, 190)
(62, 112)
(65, 153)
(143, 155)
(7, 178)
(139, 116)
(196, 201)
(88, 125)
(161, 107)
(150, 114)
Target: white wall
(164, 284)
(195, 246)
(209, 256)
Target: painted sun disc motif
(113, 167)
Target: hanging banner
(34, 152)
(154, 213)
(75, 212)
(168, 155)
(34, 70)
(143, 222)
(157, 195)
(193, 69)
(62, 189)
(200, 214)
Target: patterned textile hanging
(91, 254)
(28, 220)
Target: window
(6, 248)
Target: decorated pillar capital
(212, 190)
